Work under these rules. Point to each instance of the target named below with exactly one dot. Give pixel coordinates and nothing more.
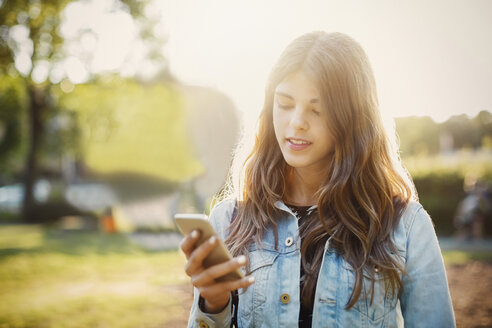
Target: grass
(50, 278)
(462, 257)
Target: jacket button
(203, 324)
(289, 241)
(285, 298)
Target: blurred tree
(417, 135)
(12, 116)
(422, 136)
(483, 121)
(465, 132)
(129, 127)
(30, 47)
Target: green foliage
(61, 136)
(9, 217)
(12, 123)
(460, 163)
(462, 257)
(53, 210)
(440, 194)
(30, 35)
(439, 181)
(50, 278)
(484, 123)
(41, 19)
(420, 136)
(127, 127)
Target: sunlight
(23, 63)
(232, 46)
(20, 34)
(41, 71)
(99, 38)
(76, 71)
(57, 73)
(115, 32)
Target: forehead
(298, 85)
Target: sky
(429, 57)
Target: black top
(305, 313)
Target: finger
(209, 275)
(214, 291)
(195, 262)
(188, 243)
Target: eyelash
(284, 106)
(316, 112)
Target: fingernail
(194, 234)
(212, 240)
(241, 259)
(251, 279)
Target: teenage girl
(324, 220)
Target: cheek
(325, 137)
(329, 130)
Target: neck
(302, 186)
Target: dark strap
(235, 303)
(234, 294)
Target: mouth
(298, 144)
(297, 141)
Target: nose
(297, 120)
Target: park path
(451, 244)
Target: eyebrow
(280, 93)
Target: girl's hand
(215, 294)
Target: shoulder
(413, 220)
(414, 217)
(413, 213)
(221, 215)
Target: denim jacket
(274, 298)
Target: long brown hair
(366, 188)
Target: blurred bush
(440, 181)
(52, 211)
(440, 195)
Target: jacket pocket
(383, 300)
(252, 300)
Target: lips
(298, 144)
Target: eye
(283, 106)
(316, 112)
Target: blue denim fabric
(424, 302)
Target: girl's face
(301, 123)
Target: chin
(295, 162)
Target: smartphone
(189, 222)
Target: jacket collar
(281, 206)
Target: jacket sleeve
(200, 319)
(425, 299)
(220, 220)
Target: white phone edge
(182, 217)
